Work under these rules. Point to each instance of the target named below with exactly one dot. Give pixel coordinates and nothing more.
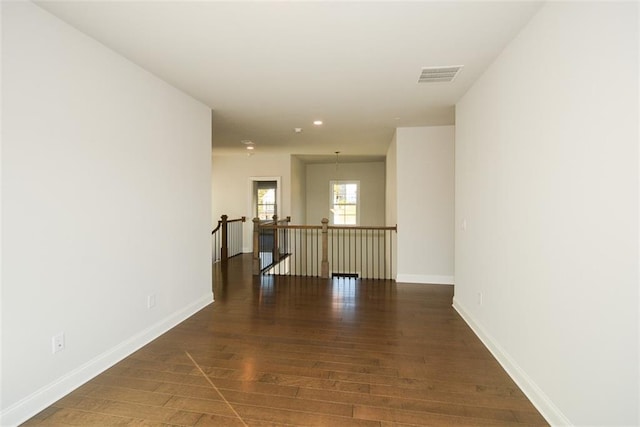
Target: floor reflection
(338, 298)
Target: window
(266, 199)
(344, 202)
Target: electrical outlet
(57, 343)
(151, 301)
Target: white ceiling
(266, 67)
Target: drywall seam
(540, 400)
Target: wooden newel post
(324, 267)
(224, 249)
(256, 247)
(276, 244)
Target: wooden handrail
(331, 227)
(296, 227)
(274, 221)
(364, 227)
(243, 219)
(223, 227)
(217, 228)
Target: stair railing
(227, 238)
(323, 250)
(269, 242)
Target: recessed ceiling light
(247, 142)
(250, 147)
(297, 130)
(317, 122)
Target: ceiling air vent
(439, 74)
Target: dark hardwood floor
(276, 351)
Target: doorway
(265, 196)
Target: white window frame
(343, 182)
(252, 207)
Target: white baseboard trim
(419, 278)
(540, 400)
(26, 408)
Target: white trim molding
(37, 401)
(538, 398)
(426, 279)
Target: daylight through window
(266, 199)
(344, 202)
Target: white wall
(547, 181)
(372, 190)
(391, 198)
(425, 204)
(298, 191)
(105, 200)
(391, 183)
(232, 190)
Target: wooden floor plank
(291, 351)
